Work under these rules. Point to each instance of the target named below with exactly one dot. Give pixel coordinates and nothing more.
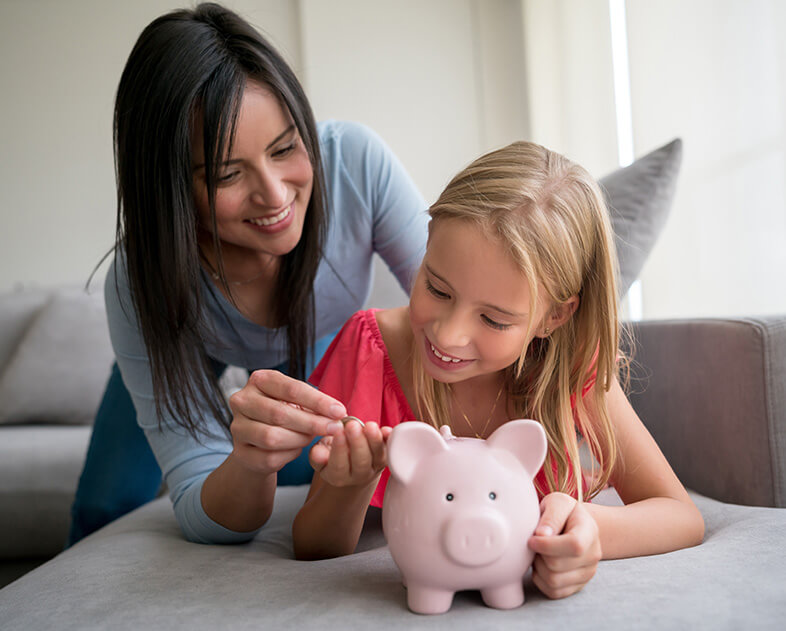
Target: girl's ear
(559, 315)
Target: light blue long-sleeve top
(374, 207)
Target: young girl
(513, 314)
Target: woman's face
(263, 187)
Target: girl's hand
(353, 455)
(567, 546)
(275, 416)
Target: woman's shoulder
(353, 145)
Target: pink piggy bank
(458, 512)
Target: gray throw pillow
(639, 198)
(60, 367)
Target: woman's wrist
(238, 497)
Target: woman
(245, 237)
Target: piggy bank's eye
(449, 497)
(492, 495)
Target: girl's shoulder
(396, 334)
(394, 328)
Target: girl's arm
(658, 515)
(347, 469)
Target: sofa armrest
(713, 394)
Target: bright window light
(624, 116)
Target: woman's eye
(227, 177)
(494, 324)
(284, 151)
(436, 292)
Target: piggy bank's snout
(475, 540)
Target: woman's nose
(270, 190)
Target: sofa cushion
(639, 198)
(60, 366)
(17, 311)
(139, 572)
(39, 469)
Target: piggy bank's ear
(526, 440)
(408, 444)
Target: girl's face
(264, 187)
(470, 306)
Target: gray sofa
(712, 392)
(55, 358)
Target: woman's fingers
(278, 400)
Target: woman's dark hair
(188, 66)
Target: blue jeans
(120, 472)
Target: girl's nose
(270, 190)
(451, 331)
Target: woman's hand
(275, 416)
(353, 455)
(567, 546)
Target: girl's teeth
(269, 221)
(444, 358)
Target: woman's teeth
(269, 221)
(444, 358)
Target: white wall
(439, 80)
(60, 63)
(714, 73)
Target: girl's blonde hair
(549, 215)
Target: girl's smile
(443, 360)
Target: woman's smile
(275, 222)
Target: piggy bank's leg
(428, 600)
(507, 596)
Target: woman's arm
(236, 500)
(658, 515)
(347, 467)
(267, 433)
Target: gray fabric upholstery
(713, 394)
(140, 573)
(17, 310)
(39, 469)
(639, 198)
(65, 353)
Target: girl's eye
(436, 292)
(495, 325)
(284, 151)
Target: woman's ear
(559, 315)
